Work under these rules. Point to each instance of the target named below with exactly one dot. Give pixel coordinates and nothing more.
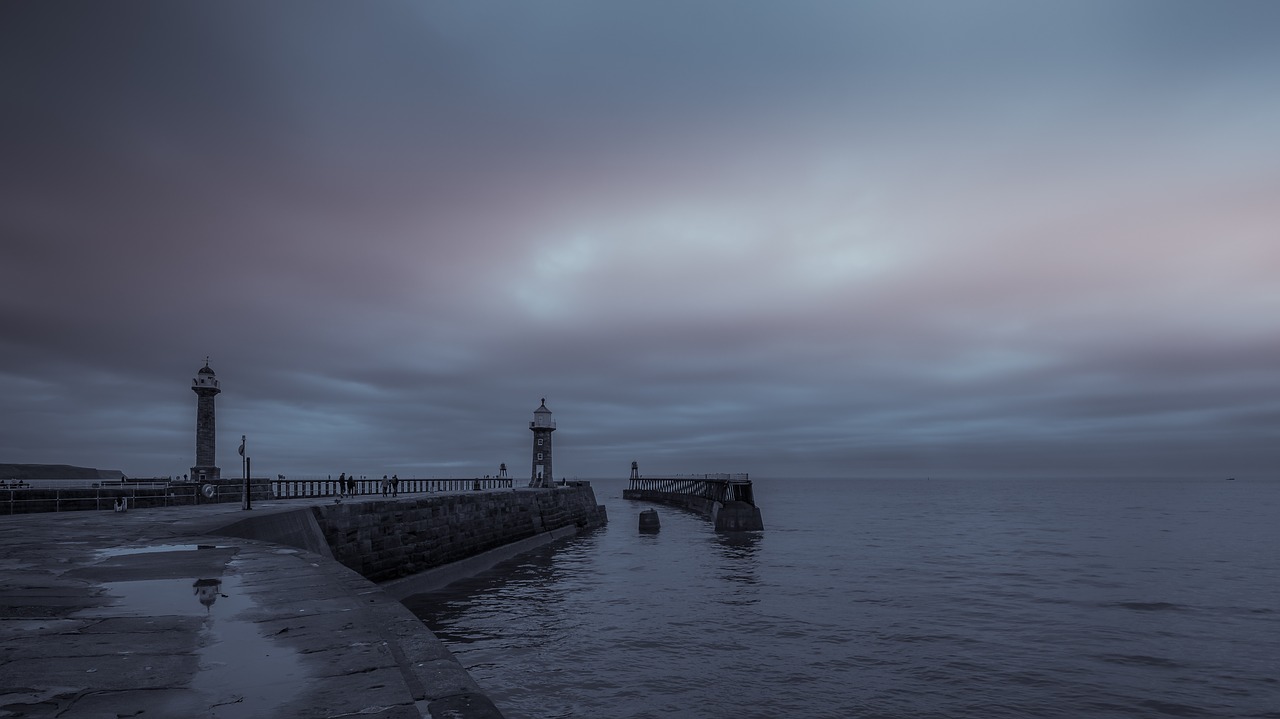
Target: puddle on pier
(156, 598)
(241, 672)
(125, 551)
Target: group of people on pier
(347, 486)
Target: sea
(893, 599)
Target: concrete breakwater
(99, 616)
(729, 504)
(414, 544)
(386, 540)
(701, 505)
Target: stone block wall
(385, 540)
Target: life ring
(208, 490)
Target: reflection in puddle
(247, 673)
(241, 673)
(148, 598)
(208, 591)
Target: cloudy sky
(787, 238)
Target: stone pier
(212, 611)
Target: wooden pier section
(726, 499)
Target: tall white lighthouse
(205, 385)
(542, 427)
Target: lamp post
(244, 468)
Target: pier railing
(41, 495)
(298, 488)
(51, 496)
(740, 476)
(715, 487)
(726, 498)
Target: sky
(803, 239)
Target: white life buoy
(208, 490)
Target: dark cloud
(823, 239)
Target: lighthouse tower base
(204, 474)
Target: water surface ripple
(893, 599)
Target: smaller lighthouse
(205, 385)
(542, 427)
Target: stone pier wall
(706, 507)
(386, 540)
(731, 517)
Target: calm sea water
(893, 599)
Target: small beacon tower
(542, 426)
(205, 385)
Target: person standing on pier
(395, 485)
(342, 484)
(386, 485)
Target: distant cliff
(56, 471)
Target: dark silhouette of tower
(542, 426)
(205, 385)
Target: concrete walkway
(145, 614)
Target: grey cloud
(347, 209)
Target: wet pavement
(146, 614)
